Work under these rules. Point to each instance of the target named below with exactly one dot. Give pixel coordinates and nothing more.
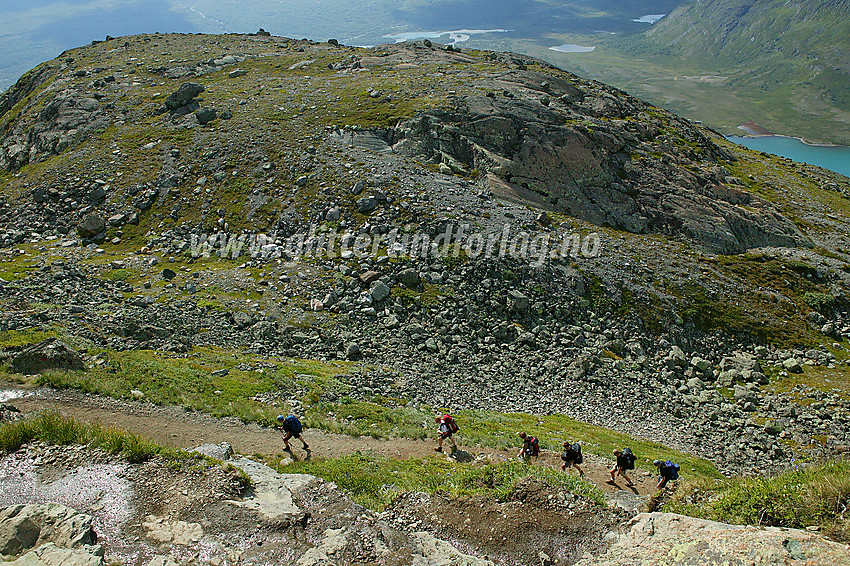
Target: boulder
(183, 95)
(91, 226)
(174, 532)
(700, 364)
(678, 356)
(740, 362)
(367, 205)
(433, 551)
(47, 354)
(369, 277)
(667, 538)
(206, 115)
(792, 365)
(352, 351)
(51, 555)
(379, 292)
(24, 527)
(517, 301)
(332, 214)
(221, 451)
(409, 278)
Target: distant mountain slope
(798, 51)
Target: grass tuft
(52, 428)
(802, 497)
(375, 482)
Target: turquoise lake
(834, 158)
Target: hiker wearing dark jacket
(625, 461)
(572, 457)
(292, 428)
(666, 471)
(530, 447)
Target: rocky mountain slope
(584, 252)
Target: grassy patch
(375, 482)
(816, 495)
(18, 338)
(52, 428)
(428, 295)
(16, 267)
(778, 295)
(820, 378)
(251, 389)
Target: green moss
(821, 302)
(429, 295)
(16, 267)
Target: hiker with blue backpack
(572, 457)
(625, 461)
(667, 471)
(293, 428)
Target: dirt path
(175, 427)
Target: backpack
(674, 469)
(292, 424)
(629, 458)
(577, 449)
(533, 446)
(450, 423)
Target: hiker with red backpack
(572, 457)
(446, 428)
(530, 447)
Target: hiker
(625, 461)
(572, 457)
(446, 427)
(666, 471)
(292, 427)
(530, 447)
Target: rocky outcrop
(49, 535)
(666, 538)
(47, 354)
(66, 119)
(599, 155)
(24, 87)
